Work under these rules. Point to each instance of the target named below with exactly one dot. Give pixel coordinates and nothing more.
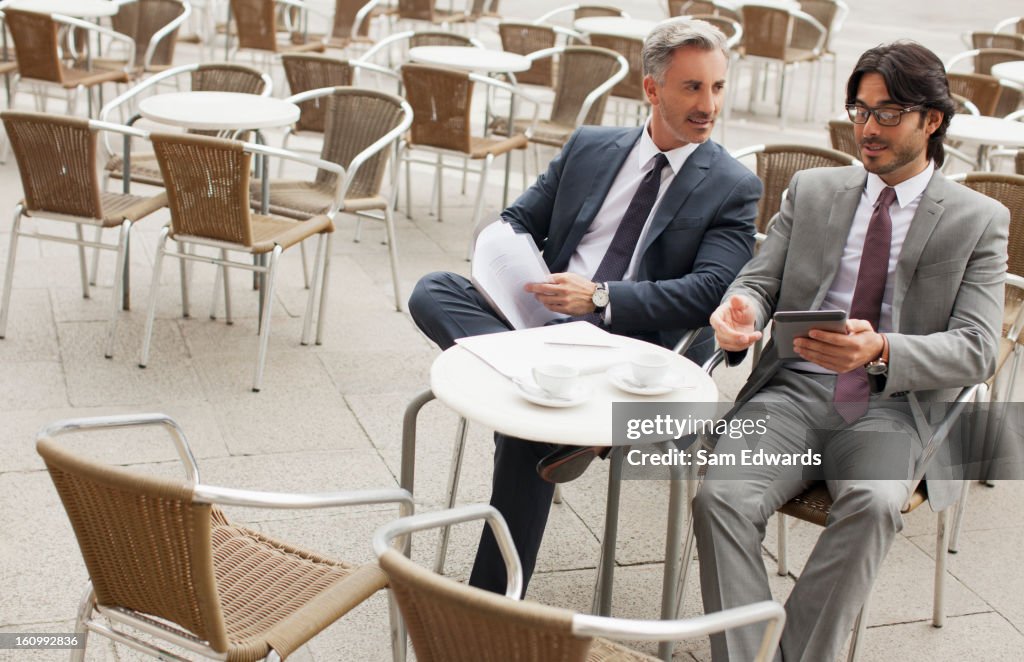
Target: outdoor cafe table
(618, 26)
(482, 61)
(986, 132)
(1011, 71)
(478, 392)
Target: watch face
(600, 297)
(878, 368)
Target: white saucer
(535, 394)
(621, 376)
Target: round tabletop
(218, 111)
(473, 389)
(77, 8)
(983, 130)
(615, 25)
(469, 58)
(1012, 71)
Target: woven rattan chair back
(581, 69)
(840, 133)
(1009, 190)
(1019, 162)
(690, 7)
(224, 77)
(980, 89)
(146, 545)
(1011, 97)
(587, 11)
(141, 19)
(207, 183)
(256, 23)
(345, 12)
(357, 118)
(805, 35)
(1014, 42)
(438, 38)
(308, 71)
(416, 10)
(987, 58)
(57, 160)
(766, 31)
(441, 101)
(728, 26)
(36, 42)
(632, 86)
(777, 164)
(452, 622)
(526, 38)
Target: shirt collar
(647, 150)
(906, 191)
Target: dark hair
(913, 76)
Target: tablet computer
(794, 324)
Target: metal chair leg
(389, 228)
(859, 626)
(154, 292)
(783, 546)
(324, 282)
(83, 268)
(5, 305)
(261, 357)
(85, 607)
(958, 520)
(478, 205)
(318, 267)
(454, 473)
(941, 541)
(120, 266)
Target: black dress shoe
(567, 463)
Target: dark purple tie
(620, 252)
(851, 394)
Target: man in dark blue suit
(643, 231)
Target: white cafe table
(478, 392)
(480, 61)
(986, 132)
(618, 26)
(1011, 71)
(77, 8)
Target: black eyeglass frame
(852, 109)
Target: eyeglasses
(884, 116)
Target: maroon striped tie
(851, 395)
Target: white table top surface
(473, 389)
(469, 58)
(616, 25)
(1013, 71)
(983, 130)
(77, 8)
(218, 111)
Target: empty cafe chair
(57, 161)
(207, 181)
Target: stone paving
(329, 417)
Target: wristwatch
(600, 297)
(878, 370)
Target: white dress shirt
(840, 292)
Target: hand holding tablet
(790, 325)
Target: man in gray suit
(918, 263)
(642, 229)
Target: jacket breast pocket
(684, 223)
(946, 267)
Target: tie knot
(886, 197)
(660, 161)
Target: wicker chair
(731, 28)
(815, 503)
(350, 24)
(984, 59)
(424, 11)
(164, 560)
(57, 160)
(1015, 22)
(586, 75)
(153, 24)
(37, 42)
(452, 622)
(360, 129)
(703, 8)
(831, 14)
(982, 90)
(256, 23)
(631, 88)
(213, 77)
(768, 38)
(526, 38)
(840, 133)
(980, 39)
(208, 194)
(776, 165)
(441, 100)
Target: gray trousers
(868, 468)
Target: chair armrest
(231, 496)
(554, 12)
(514, 91)
(100, 30)
(814, 23)
(313, 161)
(715, 360)
(125, 421)
(940, 433)
(384, 535)
(361, 16)
(602, 89)
(587, 625)
(688, 338)
(359, 159)
(163, 33)
(384, 44)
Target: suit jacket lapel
(921, 227)
(692, 173)
(613, 158)
(843, 208)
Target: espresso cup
(649, 368)
(556, 379)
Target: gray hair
(674, 33)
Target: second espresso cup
(649, 368)
(556, 379)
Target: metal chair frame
(162, 33)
